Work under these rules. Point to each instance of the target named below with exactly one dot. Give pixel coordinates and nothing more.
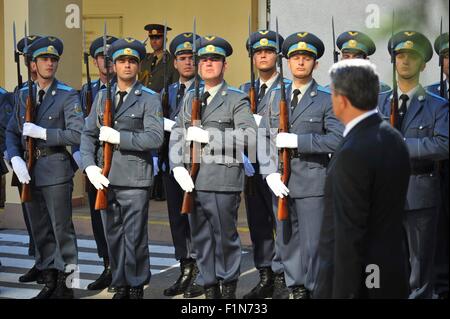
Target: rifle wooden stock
(29, 112)
(393, 118)
(101, 201)
(285, 161)
(188, 198)
(249, 180)
(252, 96)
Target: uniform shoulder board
(230, 88)
(64, 87)
(438, 97)
(2, 91)
(323, 89)
(146, 89)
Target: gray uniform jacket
(228, 111)
(319, 133)
(61, 114)
(140, 123)
(425, 130)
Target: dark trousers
(215, 236)
(125, 223)
(261, 222)
(420, 227)
(97, 224)
(50, 215)
(179, 224)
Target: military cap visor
(182, 43)
(411, 41)
(30, 40)
(127, 47)
(355, 41)
(264, 40)
(212, 45)
(47, 46)
(441, 44)
(97, 48)
(156, 29)
(303, 43)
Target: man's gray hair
(358, 80)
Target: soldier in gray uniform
(5, 113)
(225, 121)
(441, 262)
(181, 49)
(423, 121)
(138, 129)
(96, 52)
(151, 73)
(58, 123)
(314, 134)
(259, 204)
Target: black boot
(280, 290)
(136, 292)
(31, 275)
(104, 280)
(186, 268)
(300, 292)
(229, 290)
(122, 293)
(213, 292)
(50, 279)
(264, 288)
(63, 288)
(193, 290)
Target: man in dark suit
(362, 249)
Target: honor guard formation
(336, 178)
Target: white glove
(287, 140)
(168, 124)
(155, 166)
(94, 173)
(276, 185)
(197, 134)
(5, 155)
(110, 135)
(248, 167)
(20, 168)
(34, 131)
(77, 157)
(183, 178)
(258, 119)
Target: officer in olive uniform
(225, 113)
(137, 130)
(258, 203)
(58, 123)
(314, 135)
(152, 67)
(423, 121)
(442, 248)
(96, 52)
(181, 49)
(358, 45)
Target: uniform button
(310, 120)
(115, 122)
(220, 121)
(420, 127)
(132, 115)
(49, 117)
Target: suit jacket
(319, 133)
(154, 79)
(61, 115)
(140, 123)
(365, 193)
(228, 112)
(425, 130)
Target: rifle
(188, 198)
(249, 180)
(284, 153)
(394, 100)
(442, 87)
(29, 118)
(101, 201)
(335, 52)
(14, 180)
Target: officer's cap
(96, 47)
(264, 40)
(155, 29)
(46, 46)
(212, 45)
(411, 41)
(303, 42)
(30, 40)
(127, 47)
(182, 43)
(441, 44)
(356, 41)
